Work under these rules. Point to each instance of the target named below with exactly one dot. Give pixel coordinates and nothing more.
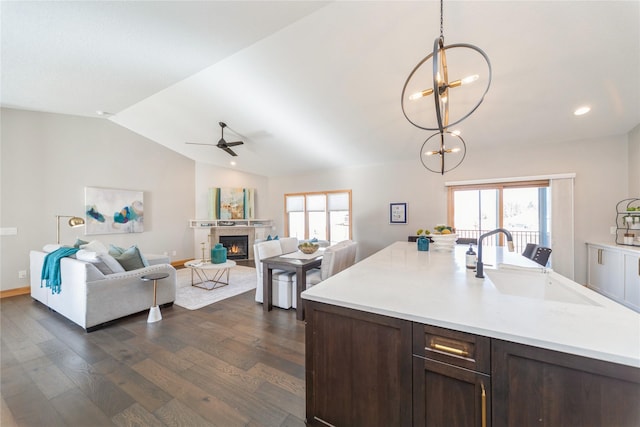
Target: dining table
(298, 262)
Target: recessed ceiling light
(582, 110)
(103, 113)
(232, 163)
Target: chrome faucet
(479, 265)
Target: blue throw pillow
(79, 242)
(269, 237)
(131, 259)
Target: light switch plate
(8, 231)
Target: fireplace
(228, 235)
(237, 246)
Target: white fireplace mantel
(254, 229)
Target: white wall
(48, 159)
(600, 166)
(634, 162)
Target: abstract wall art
(109, 211)
(231, 203)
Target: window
(321, 215)
(520, 207)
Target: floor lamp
(74, 221)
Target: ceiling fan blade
(230, 151)
(234, 143)
(199, 143)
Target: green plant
(420, 231)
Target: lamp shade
(74, 221)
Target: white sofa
(283, 281)
(90, 298)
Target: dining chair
(283, 281)
(541, 255)
(336, 258)
(529, 250)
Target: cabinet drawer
(456, 348)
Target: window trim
(539, 183)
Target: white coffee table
(212, 279)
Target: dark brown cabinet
(364, 369)
(451, 381)
(358, 368)
(534, 386)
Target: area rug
(241, 279)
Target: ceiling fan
(222, 144)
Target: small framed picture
(397, 213)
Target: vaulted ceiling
(311, 85)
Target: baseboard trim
(15, 292)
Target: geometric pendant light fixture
(439, 145)
(445, 88)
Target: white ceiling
(312, 85)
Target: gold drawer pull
(452, 350)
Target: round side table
(154, 312)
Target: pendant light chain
(441, 19)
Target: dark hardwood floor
(228, 364)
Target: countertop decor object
(444, 242)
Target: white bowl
(444, 242)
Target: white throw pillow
(111, 263)
(95, 246)
(88, 256)
(103, 262)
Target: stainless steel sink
(536, 285)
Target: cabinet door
(446, 395)
(358, 368)
(632, 281)
(605, 272)
(538, 387)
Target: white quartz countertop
(436, 288)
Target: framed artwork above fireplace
(231, 203)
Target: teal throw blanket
(51, 268)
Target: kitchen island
(403, 335)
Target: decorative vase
(423, 243)
(219, 254)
